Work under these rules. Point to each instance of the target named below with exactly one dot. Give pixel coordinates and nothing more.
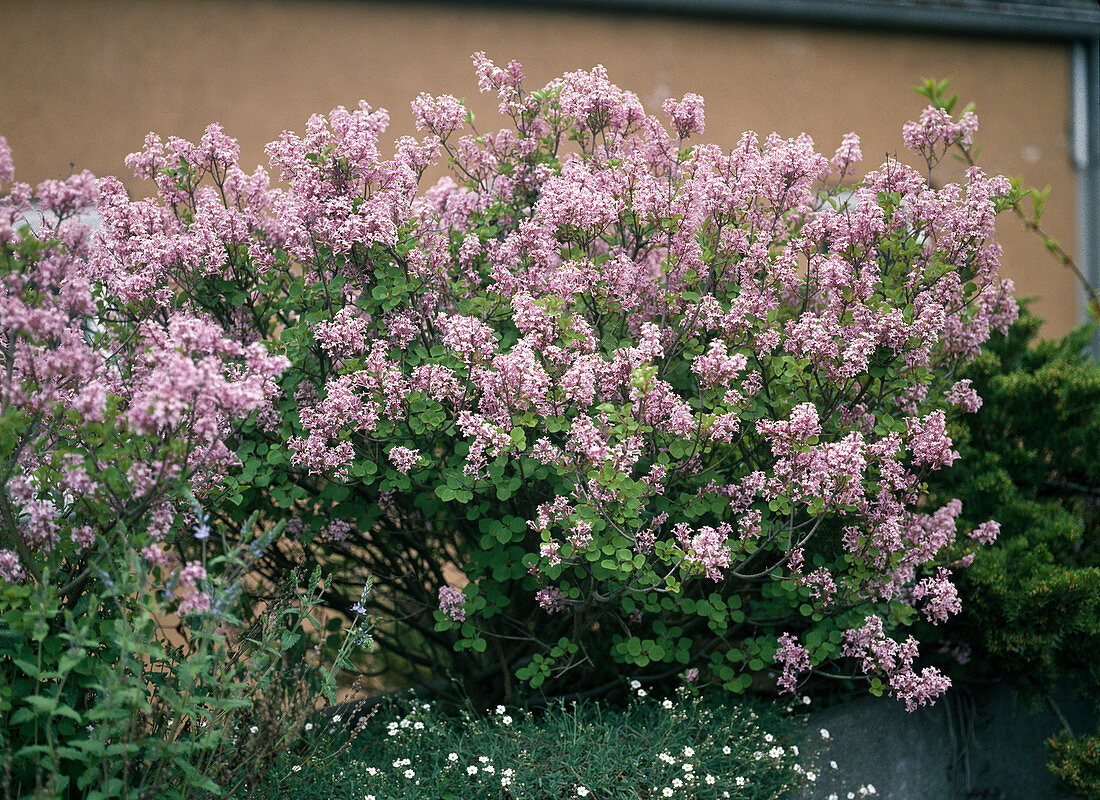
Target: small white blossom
(308, 727)
(666, 704)
(409, 774)
(825, 734)
(726, 750)
(641, 693)
(710, 780)
(253, 730)
(471, 770)
(507, 720)
(811, 776)
(806, 699)
(740, 781)
(500, 709)
(418, 726)
(296, 768)
(452, 756)
(483, 759)
(667, 792)
(635, 684)
(768, 737)
(490, 768)
(582, 791)
(689, 752)
(832, 765)
(337, 718)
(677, 783)
(688, 767)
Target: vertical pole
(1085, 122)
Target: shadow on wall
(987, 744)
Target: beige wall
(81, 83)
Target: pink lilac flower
(986, 533)
(794, 659)
(10, 568)
(452, 603)
(404, 458)
(550, 599)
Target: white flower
(409, 774)
(452, 756)
(811, 776)
(635, 684)
(508, 773)
(418, 726)
(471, 770)
(507, 720)
(666, 758)
(688, 767)
(757, 755)
(740, 781)
(253, 730)
(582, 791)
(641, 693)
(832, 797)
(337, 718)
(404, 723)
(825, 734)
(806, 699)
(797, 768)
(768, 737)
(776, 752)
(372, 771)
(309, 726)
(794, 749)
(667, 792)
(851, 796)
(500, 709)
(726, 750)
(710, 780)
(483, 759)
(666, 704)
(490, 768)
(296, 768)
(689, 752)
(369, 797)
(677, 783)
(832, 765)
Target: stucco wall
(83, 82)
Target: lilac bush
(597, 401)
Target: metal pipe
(1085, 143)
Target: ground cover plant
(689, 745)
(597, 404)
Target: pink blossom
(986, 533)
(10, 568)
(550, 599)
(452, 603)
(404, 458)
(687, 114)
(794, 659)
